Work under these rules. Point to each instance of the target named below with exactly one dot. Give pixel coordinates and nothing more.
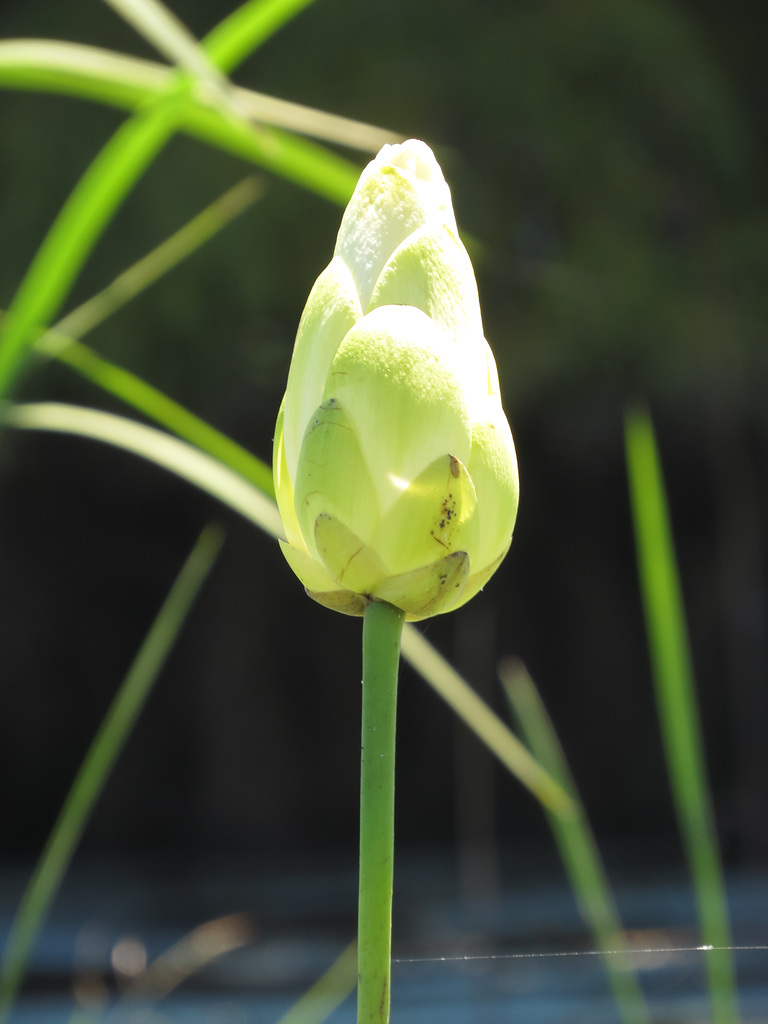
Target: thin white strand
(629, 951)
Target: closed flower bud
(395, 470)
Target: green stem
(382, 630)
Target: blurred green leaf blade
(478, 717)
(576, 843)
(165, 451)
(90, 72)
(677, 704)
(112, 174)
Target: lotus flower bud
(395, 470)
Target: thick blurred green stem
(382, 630)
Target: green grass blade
(75, 69)
(150, 268)
(218, 480)
(100, 192)
(164, 410)
(478, 717)
(130, 82)
(318, 124)
(79, 225)
(167, 452)
(88, 72)
(677, 706)
(96, 768)
(577, 845)
(60, 343)
(298, 160)
(247, 27)
(328, 992)
(162, 29)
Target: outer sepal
(428, 590)
(333, 307)
(477, 581)
(350, 562)
(283, 484)
(333, 475)
(310, 572)
(343, 601)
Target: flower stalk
(382, 630)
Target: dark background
(607, 162)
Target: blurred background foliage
(608, 165)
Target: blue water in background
(508, 957)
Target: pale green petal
(349, 561)
(428, 590)
(397, 377)
(333, 476)
(399, 191)
(493, 468)
(343, 601)
(434, 517)
(432, 271)
(283, 485)
(332, 308)
(320, 586)
(384, 210)
(493, 374)
(475, 583)
(311, 573)
(416, 160)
